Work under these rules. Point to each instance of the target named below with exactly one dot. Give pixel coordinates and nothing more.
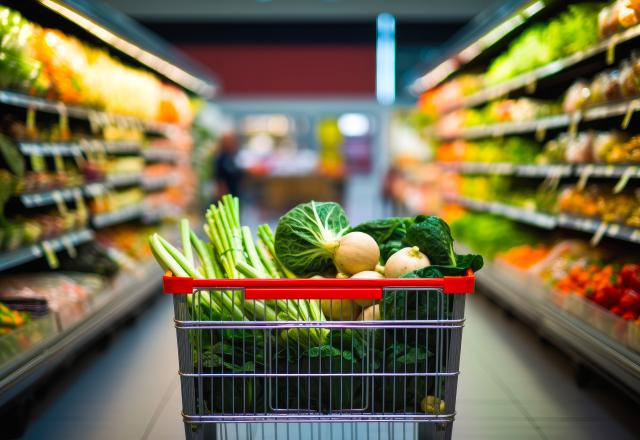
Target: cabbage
(307, 237)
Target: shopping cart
(394, 376)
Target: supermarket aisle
(511, 387)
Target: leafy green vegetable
(345, 352)
(569, 32)
(433, 236)
(388, 233)
(307, 237)
(463, 264)
(497, 234)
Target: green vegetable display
(573, 30)
(308, 235)
(498, 233)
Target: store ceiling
(266, 10)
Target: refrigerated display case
(531, 118)
(87, 166)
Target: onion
(404, 261)
(356, 252)
(371, 313)
(366, 275)
(339, 310)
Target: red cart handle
(318, 288)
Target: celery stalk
(185, 229)
(179, 258)
(165, 258)
(203, 255)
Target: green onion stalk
(231, 252)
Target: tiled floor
(511, 387)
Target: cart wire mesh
(390, 372)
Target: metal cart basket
(390, 372)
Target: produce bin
(399, 365)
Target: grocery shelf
(529, 79)
(598, 170)
(555, 170)
(118, 216)
(77, 148)
(120, 299)
(155, 183)
(125, 36)
(509, 169)
(123, 179)
(98, 117)
(160, 154)
(158, 214)
(546, 123)
(50, 197)
(548, 221)
(587, 344)
(493, 27)
(25, 254)
(541, 220)
(596, 226)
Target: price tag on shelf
(531, 84)
(31, 123)
(584, 177)
(50, 255)
(81, 207)
(635, 236)
(68, 245)
(63, 121)
(94, 121)
(541, 132)
(576, 117)
(78, 157)
(611, 49)
(631, 108)
(600, 231)
(58, 199)
(37, 162)
(58, 162)
(624, 179)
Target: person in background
(226, 171)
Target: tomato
(616, 309)
(630, 301)
(630, 274)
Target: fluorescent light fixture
(447, 67)
(386, 59)
(434, 76)
(149, 59)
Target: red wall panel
(289, 69)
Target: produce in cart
(315, 240)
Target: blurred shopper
(228, 174)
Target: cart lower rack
(390, 372)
